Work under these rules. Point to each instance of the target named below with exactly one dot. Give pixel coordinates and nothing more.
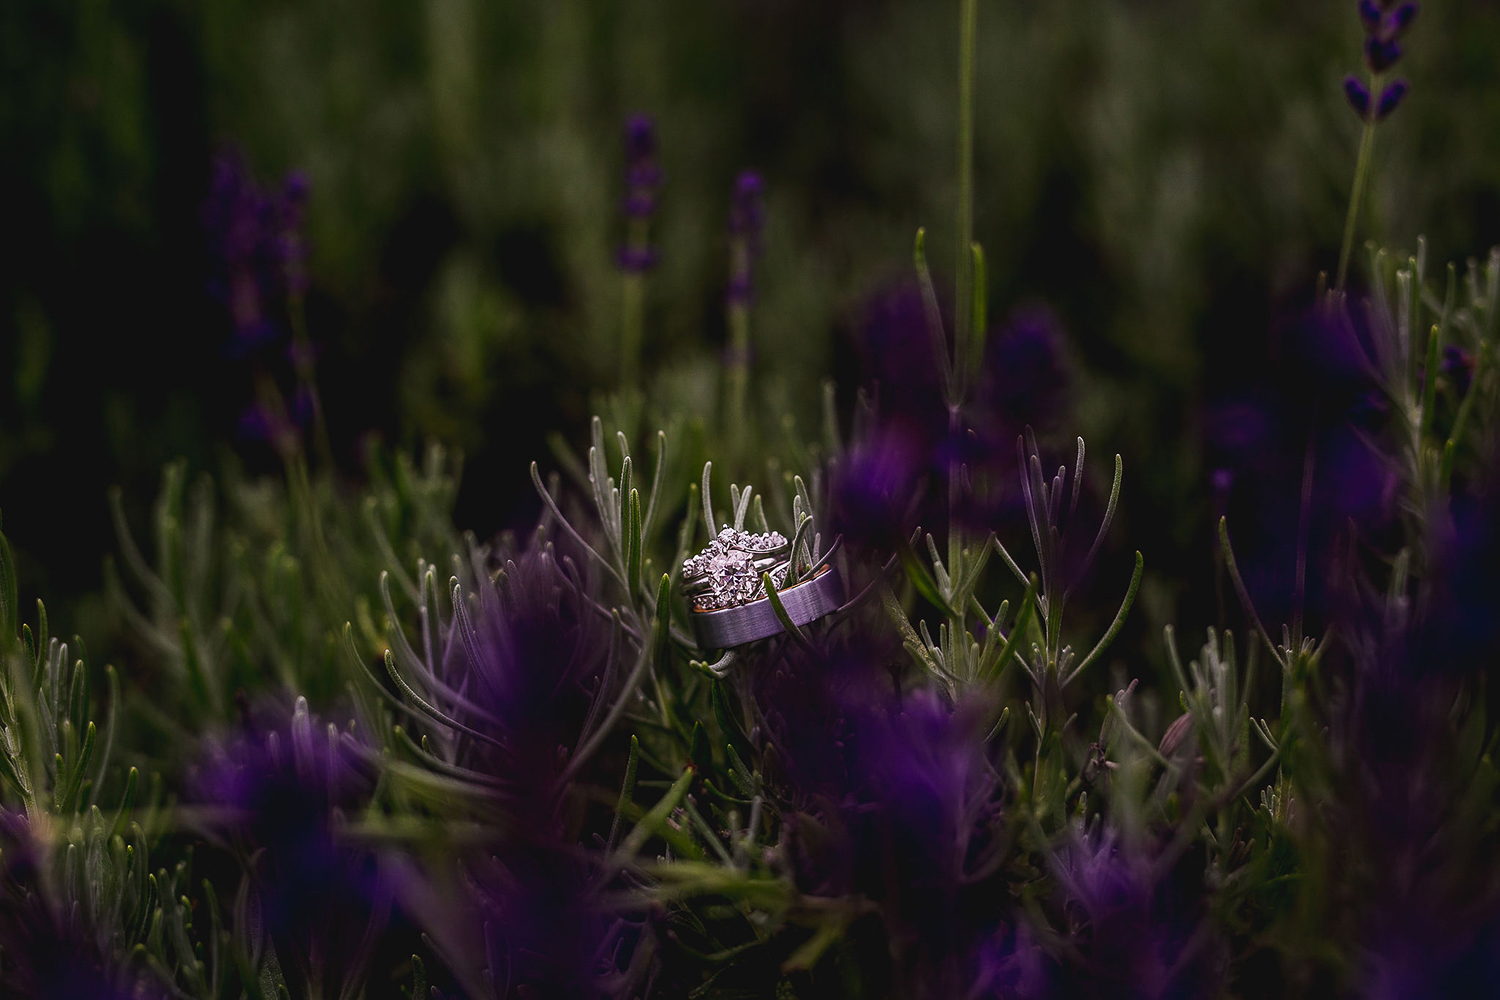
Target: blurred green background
(1167, 177)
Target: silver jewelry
(727, 573)
(734, 626)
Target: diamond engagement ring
(729, 603)
(727, 573)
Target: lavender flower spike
(1357, 94)
(1390, 99)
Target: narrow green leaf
(743, 777)
(781, 614)
(988, 671)
(979, 308)
(655, 821)
(699, 748)
(933, 314)
(419, 990)
(923, 581)
(1117, 624)
(725, 719)
(706, 495)
(633, 542)
(627, 791)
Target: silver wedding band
(806, 602)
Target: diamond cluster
(727, 568)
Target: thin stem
(739, 371)
(1356, 194)
(962, 262)
(632, 324)
(1299, 589)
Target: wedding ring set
(725, 586)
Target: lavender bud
(747, 216)
(1458, 365)
(635, 260)
(1401, 19)
(1357, 95)
(642, 180)
(1381, 53)
(1390, 98)
(640, 137)
(1176, 733)
(642, 176)
(1369, 16)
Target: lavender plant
(510, 768)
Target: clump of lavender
(281, 803)
(1385, 22)
(636, 256)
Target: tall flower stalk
(747, 218)
(637, 256)
(1384, 24)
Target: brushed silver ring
(806, 602)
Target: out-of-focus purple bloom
(274, 425)
(636, 260)
(747, 219)
(528, 661)
(895, 803)
(1138, 930)
(1458, 367)
(642, 183)
(747, 212)
(1026, 374)
(877, 488)
(1369, 15)
(642, 175)
(256, 242)
(1381, 53)
(279, 796)
(531, 659)
(895, 354)
(45, 949)
(1402, 17)
(1357, 94)
(1390, 98)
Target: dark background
(1164, 178)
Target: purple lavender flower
(255, 241)
(1026, 376)
(747, 215)
(876, 490)
(1390, 99)
(1458, 367)
(642, 182)
(1384, 27)
(894, 802)
(280, 795)
(747, 219)
(1136, 929)
(1401, 18)
(1357, 94)
(1381, 53)
(45, 949)
(530, 659)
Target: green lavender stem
(963, 280)
(632, 309)
(1356, 194)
